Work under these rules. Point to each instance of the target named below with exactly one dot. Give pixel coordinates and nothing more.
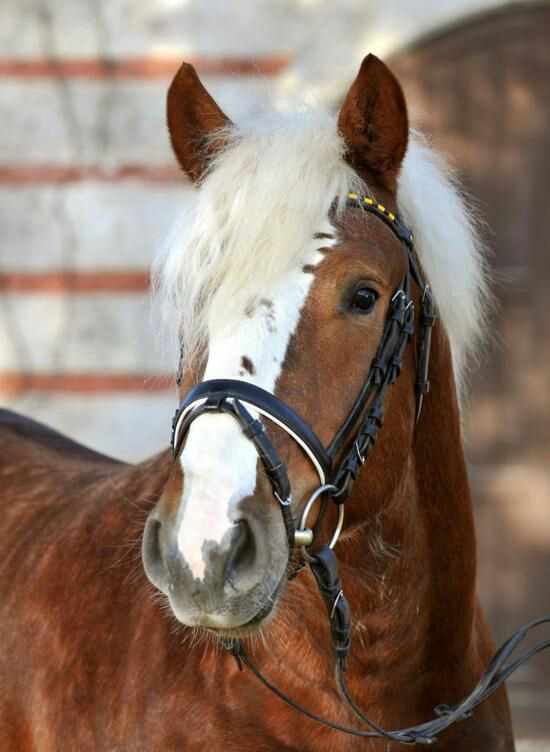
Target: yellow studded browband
(371, 202)
(392, 220)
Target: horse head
(275, 279)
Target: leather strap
(427, 321)
(325, 569)
(253, 429)
(498, 670)
(266, 403)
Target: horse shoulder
(73, 592)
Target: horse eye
(363, 300)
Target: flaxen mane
(270, 190)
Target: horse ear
(193, 119)
(373, 122)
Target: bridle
(337, 467)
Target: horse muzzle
(242, 574)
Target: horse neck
(411, 569)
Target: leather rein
(351, 446)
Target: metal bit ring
(304, 535)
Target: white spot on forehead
(218, 461)
(251, 220)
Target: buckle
(283, 502)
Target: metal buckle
(398, 294)
(419, 403)
(340, 595)
(284, 502)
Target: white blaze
(218, 461)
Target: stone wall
(88, 186)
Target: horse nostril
(155, 567)
(239, 570)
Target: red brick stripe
(84, 383)
(58, 174)
(139, 67)
(75, 281)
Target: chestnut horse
(274, 279)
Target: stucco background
(89, 187)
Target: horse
(129, 592)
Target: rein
(338, 466)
